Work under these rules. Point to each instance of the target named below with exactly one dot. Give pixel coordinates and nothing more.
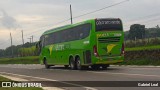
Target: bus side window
(52, 38)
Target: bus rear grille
(109, 39)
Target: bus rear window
(108, 25)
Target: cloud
(7, 21)
(27, 18)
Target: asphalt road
(59, 73)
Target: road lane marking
(87, 88)
(145, 68)
(13, 78)
(127, 74)
(22, 67)
(39, 68)
(136, 66)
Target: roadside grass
(4, 79)
(143, 48)
(16, 88)
(144, 55)
(20, 60)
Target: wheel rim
(72, 64)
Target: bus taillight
(122, 50)
(95, 51)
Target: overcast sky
(36, 16)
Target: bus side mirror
(38, 47)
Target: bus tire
(79, 66)
(105, 66)
(66, 66)
(78, 63)
(72, 63)
(46, 64)
(95, 67)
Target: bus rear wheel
(78, 63)
(79, 66)
(72, 63)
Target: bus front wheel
(46, 64)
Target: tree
(136, 31)
(157, 27)
(27, 49)
(1, 52)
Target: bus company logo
(50, 49)
(6, 84)
(59, 47)
(103, 35)
(110, 47)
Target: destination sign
(108, 24)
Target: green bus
(96, 43)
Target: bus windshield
(108, 25)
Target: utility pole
(32, 38)
(29, 39)
(11, 43)
(22, 45)
(71, 13)
(22, 38)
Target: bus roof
(65, 27)
(72, 25)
